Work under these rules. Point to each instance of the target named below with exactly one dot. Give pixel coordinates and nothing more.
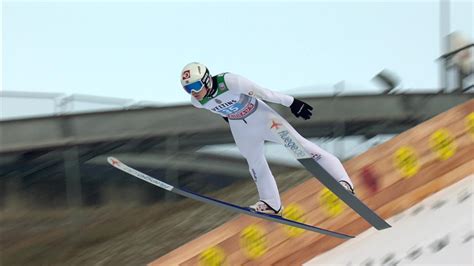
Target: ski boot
(347, 186)
(263, 207)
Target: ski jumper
(242, 102)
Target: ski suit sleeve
(239, 84)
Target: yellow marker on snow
(253, 241)
(406, 161)
(443, 144)
(213, 256)
(293, 212)
(470, 124)
(330, 202)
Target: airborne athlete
(241, 103)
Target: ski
(307, 160)
(244, 210)
(352, 201)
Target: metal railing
(60, 103)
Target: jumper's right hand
(301, 109)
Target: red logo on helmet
(186, 74)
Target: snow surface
(437, 231)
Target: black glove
(226, 119)
(301, 109)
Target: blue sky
(136, 50)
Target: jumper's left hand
(301, 109)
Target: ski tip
(385, 226)
(343, 236)
(112, 160)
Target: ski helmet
(195, 76)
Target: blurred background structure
(60, 203)
(71, 149)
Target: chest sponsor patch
(236, 109)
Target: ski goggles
(195, 86)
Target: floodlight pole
(444, 30)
